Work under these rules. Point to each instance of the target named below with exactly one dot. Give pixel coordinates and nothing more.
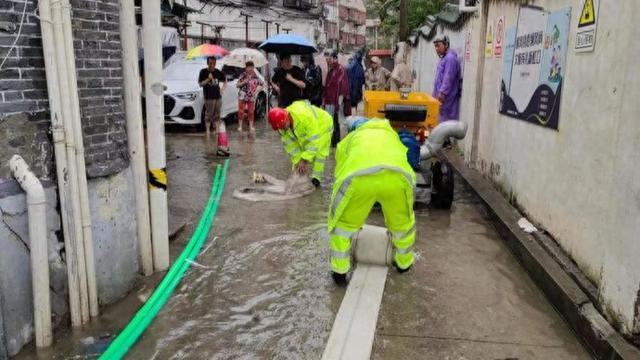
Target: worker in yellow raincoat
(371, 167)
(306, 131)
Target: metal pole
(286, 30)
(266, 27)
(246, 27)
(338, 24)
(404, 26)
(277, 28)
(267, 73)
(135, 135)
(154, 90)
(376, 36)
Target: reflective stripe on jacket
(310, 123)
(373, 147)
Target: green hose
(127, 338)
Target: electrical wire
(24, 12)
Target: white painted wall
(582, 182)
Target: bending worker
(367, 173)
(306, 132)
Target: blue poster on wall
(507, 62)
(533, 72)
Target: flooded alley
(260, 288)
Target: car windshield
(183, 71)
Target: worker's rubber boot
(315, 182)
(401, 271)
(340, 279)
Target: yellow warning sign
(588, 16)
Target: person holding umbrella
(288, 81)
(312, 79)
(211, 79)
(249, 85)
(337, 85)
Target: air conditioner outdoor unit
(469, 5)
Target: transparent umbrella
(239, 57)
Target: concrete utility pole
(217, 29)
(266, 27)
(266, 66)
(154, 91)
(135, 132)
(404, 26)
(246, 27)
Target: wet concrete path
(261, 288)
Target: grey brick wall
(23, 86)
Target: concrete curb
(562, 291)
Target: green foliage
(388, 11)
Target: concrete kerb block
(562, 291)
(3, 342)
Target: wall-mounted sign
(488, 50)
(498, 42)
(532, 84)
(587, 24)
(467, 44)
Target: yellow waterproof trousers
(324, 146)
(395, 195)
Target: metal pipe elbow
(445, 130)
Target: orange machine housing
(375, 102)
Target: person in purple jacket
(447, 84)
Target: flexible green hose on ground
(127, 338)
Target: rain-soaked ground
(261, 287)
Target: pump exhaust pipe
(455, 129)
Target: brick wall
(23, 86)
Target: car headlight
(190, 96)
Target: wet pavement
(261, 287)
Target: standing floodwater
(260, 289)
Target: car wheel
(441, 185)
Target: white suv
(183, 98)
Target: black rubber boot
(401, 271)
(340, 279)
(315, 182)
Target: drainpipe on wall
(135, 136)
(75, 254)
(59, 147)
(85, 210)
(37, 213)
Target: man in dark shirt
(288, 80)
(210, 79)
(312, 80)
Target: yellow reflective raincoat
(371, 167)
(309, 138)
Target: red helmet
(277, 118)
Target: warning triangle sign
(588, 16)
